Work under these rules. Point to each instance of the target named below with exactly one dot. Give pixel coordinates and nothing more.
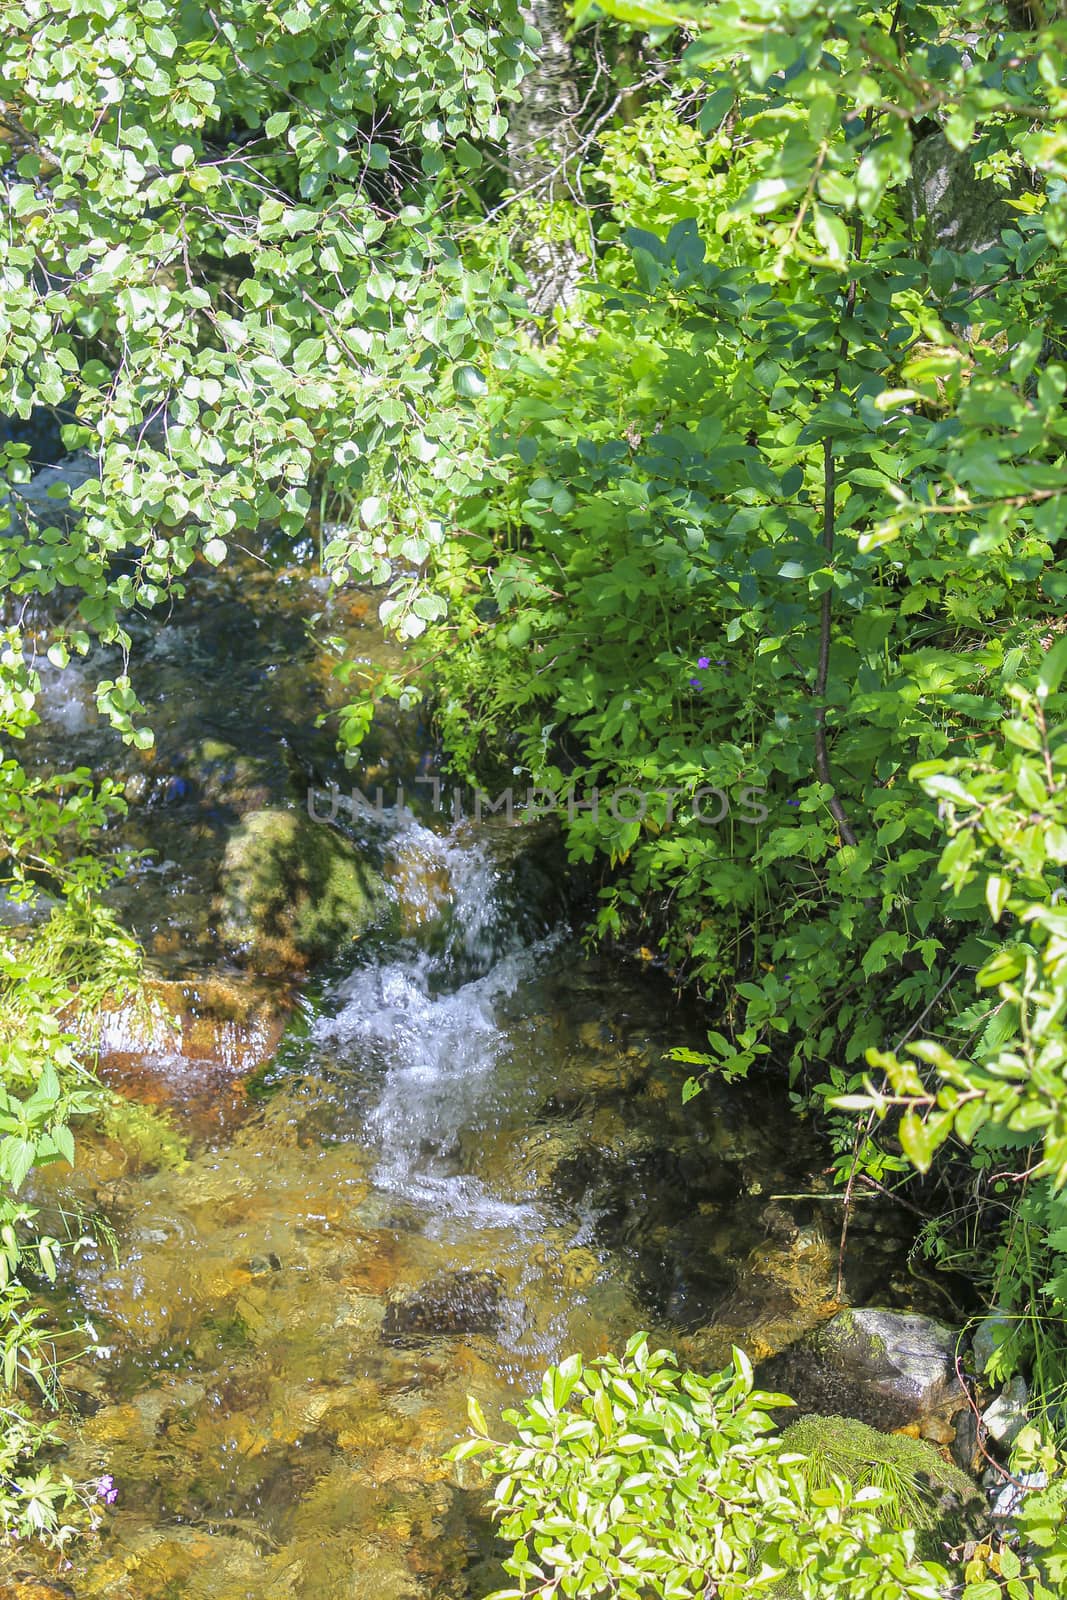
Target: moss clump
(147, 1134)
(293, 891)
(920, 1490)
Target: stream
(453, 1156)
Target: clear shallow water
(479, 1098)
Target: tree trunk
(958, 210)
(543, 141)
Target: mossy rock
(922, 1491)
(891, 1369)
(293, 891)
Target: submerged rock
(217, 775)
(785, 1288)
(28, 1586)
(190, 1045)
(292, 891)
(261, 1265)
(890, 1369)
(451, 1303)
(234, 1022)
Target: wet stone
(452, 1303)
(889, 1369)
(1006, 1417)
(261, 1265)
(27, 1586)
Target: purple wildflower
(695, 683)
(105, 1489)
(792, 802)
(704, 661)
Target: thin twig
(826, 605)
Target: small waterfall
(425, 1023)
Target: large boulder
(292, 891)
(890, 1369)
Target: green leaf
(767, 195)
(715, 109)
(47, 1259)
(1030, 785)
(469, 381)
(915, 1141)
(832, 235)
(1052, 669)
(18, 1157)
(63, 1140)
(997, 890)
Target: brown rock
(190, 1045)
(28, 1586)
(452, 1303)
(421, 885)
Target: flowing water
(472, 1160)
(467, 1157)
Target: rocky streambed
(393, 1137)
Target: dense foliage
(766, 518)
(782, 511)
(630, 1478)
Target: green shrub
(76, 958)
(634, 1479)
